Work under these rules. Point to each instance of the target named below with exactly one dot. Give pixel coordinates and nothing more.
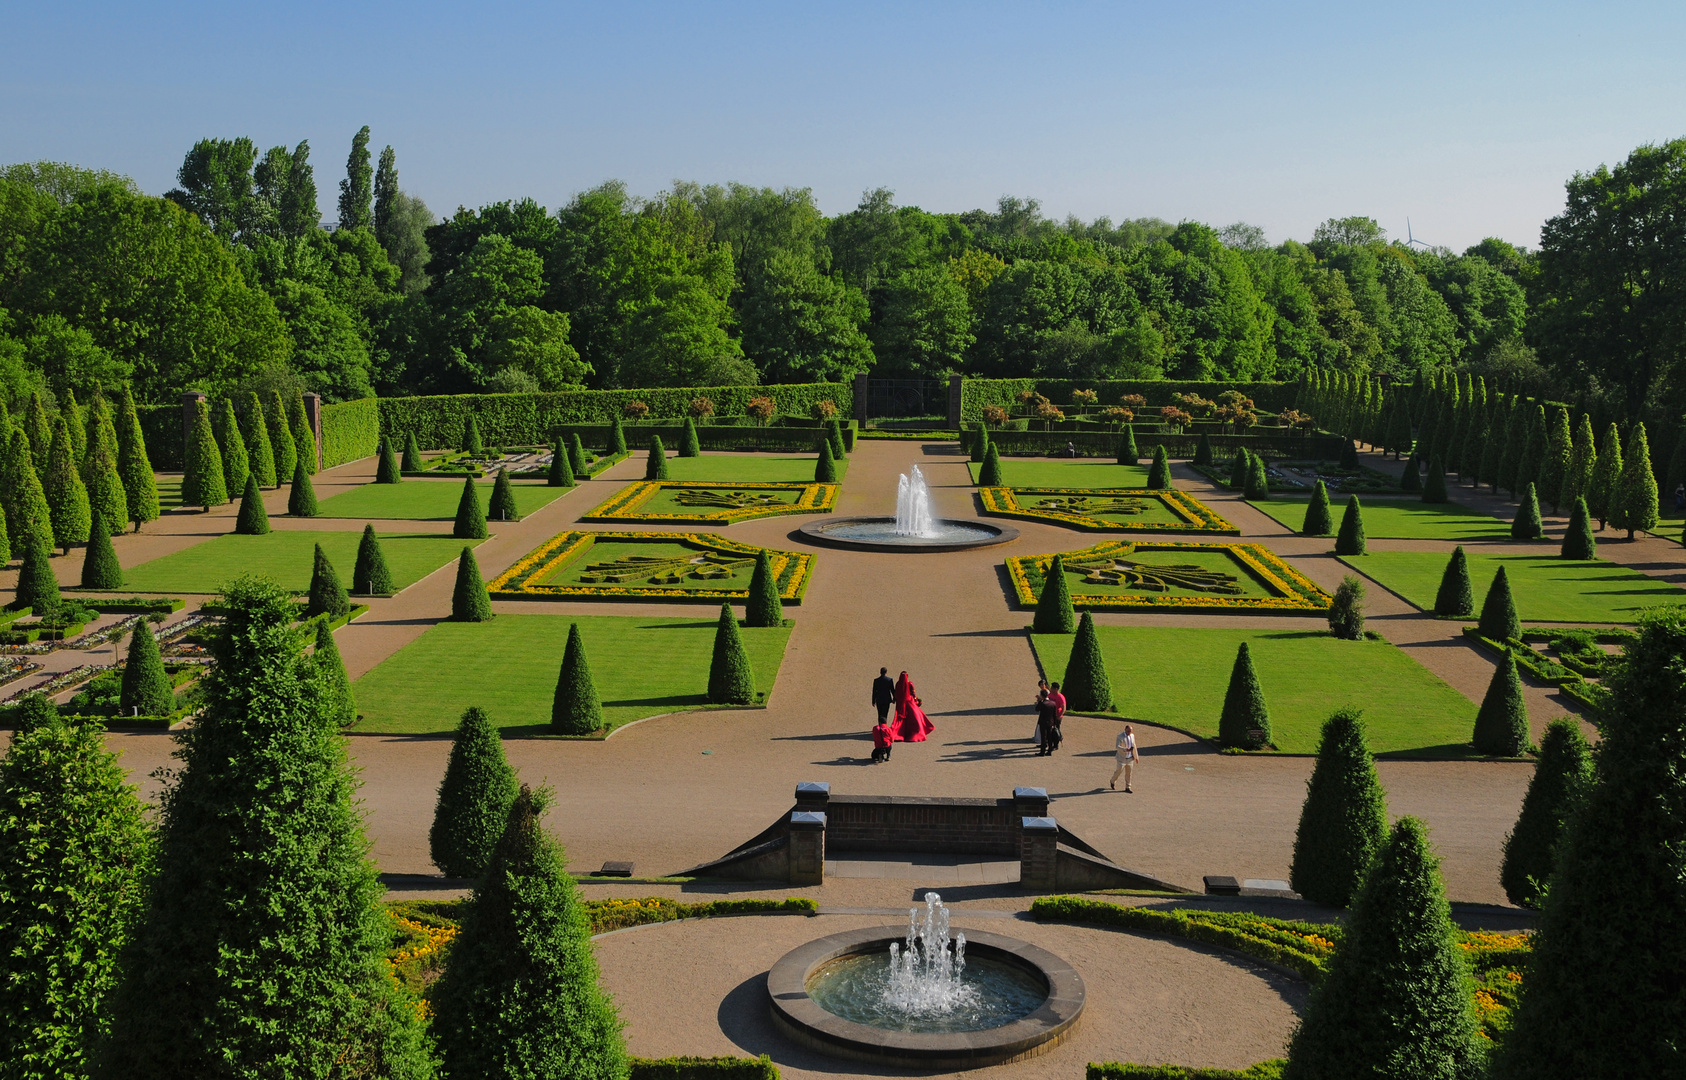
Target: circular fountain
(926, 1000)
(914, 528)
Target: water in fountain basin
(913, 507)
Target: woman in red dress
(912, 725)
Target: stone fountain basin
(799, 1017)
(821, 532)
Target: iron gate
(891, 398)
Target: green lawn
(1178, 676)
(509, 666)
(429, 500)
(1069, 473)
(287, 557)
(1401, 519)
(684, 560)
(745, 468)
(1546, 588)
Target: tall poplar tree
(355, 190)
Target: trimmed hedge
(1104, 444)
(352, 430)
(696, 1068)
(1117, 1070)
(975, 394)
(797, 438)
(161, 427)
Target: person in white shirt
(1126, 751)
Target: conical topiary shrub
(1501, 726)
(1203, 450)
(688, 444)
(1127, 452)
(370, 577)
(253, 519)
(1344, 820)
(1498, 611)
(520, 994)
(235, 463)
(412, 461)
(1159, 473)
(763, 608)
(1258, 482)
(471, 519)
(1456, 595)
(825, 469)
(254, 433)
(1411, 479)
(1349, 454)
(575, 710)
(1087, 687)
(1434, 488)
(471, 443)
(1054, 613)
(100, 568)
(1560, 780)
(730, 679)
(387, 470)
(977, 442)
(1526, 524)
(301, 499)
(106, 497)
(617, 437)
(281, 443)
(26, 506)
(327, 595)
(304, 440)
(1396, 999)
(38, 587)
(502, 507)
(989, 473)
(1319, 519)
(67, 496)
(655, 465)
(1240, 469)
(140, 486)
(839, 445)
(469, 600)
(576, 457)
(146, 689)
(474, 799)
(561, 469)
(1633, 504)
(336, 700)
(1245, 721)
(1350, 540)
(1578, 541)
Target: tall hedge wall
(976, 393)
(1105, 444)
(350, 430)
(162, 428)
(797, 438)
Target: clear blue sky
(1466, 118)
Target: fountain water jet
(914, 528)
(913, 507)
(925, 975)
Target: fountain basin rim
(797, 1014)
(816, 531)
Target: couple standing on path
(910, 723)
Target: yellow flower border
(815, 498)
(791, 570)
(1296, 593)
(1197, 516)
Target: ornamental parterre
(1098, 509)
(662, 573)
(1167, 585)
(707, 503)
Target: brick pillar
(807, 848)
(813, 797)
(313, 417)
(1039, 840)
(860, 399)
(955, 384)
(1030, 802)
(189, 401)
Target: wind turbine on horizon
(1410, 240)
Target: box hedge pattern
(1197, 516)
(1296, 594)
(791, 570)
(975, 394)
(624, 504)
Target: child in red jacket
(881, 740)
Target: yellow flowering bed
(624, 504)
(1196, 516)
(1292, 592)
(791, 570)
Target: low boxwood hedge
(696, 1068)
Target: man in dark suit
(883, 696)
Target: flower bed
(761, 501)
(1287, 590)
(1194, 516)
(526, 579)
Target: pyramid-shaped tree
(1560, 779)
(412, 461)
(1633, 505)
(1396, 1000)
(655, 465)
(71, 414)
(763, 608)
(280, 436)
(370, 577)
(1319, 519)
(304, 440)
(235, 462)
(617, 437)
(74, 848)
(106, 497)
(688, 444)
(1344, 820)
(25, 501)
(1159, 473)
(1411, 479)
(1607, 472)
(140, 486)
(262, 925)
(1526, 525)
(253, 519)
(520, 995)
(1203, 450)
(301, 498)
(1087, 687)
(474, 799)
(146, 689)
(327, 595)
(39, 428)
(260, 455)
(471, 519)
(1350, 540)
(387, 470)
(337, 702)
(1127, 452)
(1603, 993)
(576, 457)
(1578, 540)
(834, 432)
(202, 483)
(1240, 469)
(1245, 721)
(575, 710)
(1498, 611)
(561, 468)
(38, 586)
(1434, 486)
(470, 602)
(1501, 726)
(1583, 459)
(825, 468)
(471, 442)
(989, 473)
(100, 568)
(67, 496)
(731, 681)
(502, 506)
(1054, 614)
(1456, 595)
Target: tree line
(231, 280)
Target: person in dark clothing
(884, 697)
